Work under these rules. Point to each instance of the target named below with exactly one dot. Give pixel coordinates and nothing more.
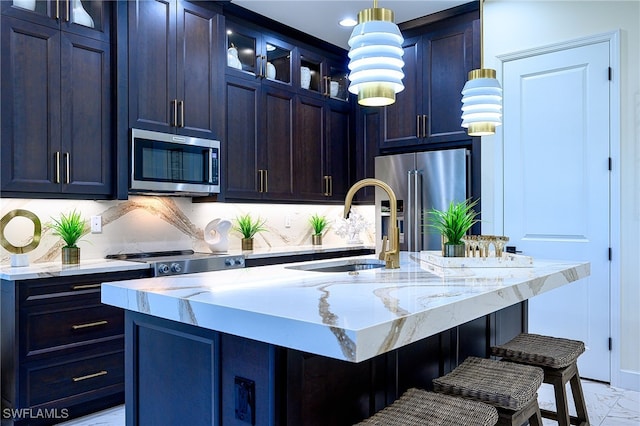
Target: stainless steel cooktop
(183, 261)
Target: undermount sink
(340, 266)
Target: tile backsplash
(144, 223)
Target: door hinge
(610, 73)
(610, 254)
(610, 343)
(610, 164)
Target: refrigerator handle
(413, 206)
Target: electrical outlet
(245, 400)
(96, 224)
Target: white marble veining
(146, 223)
(348, 316)
(57, 269)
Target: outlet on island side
(245, 400)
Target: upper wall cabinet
(86, 18)
(252, 54)
(322, 76)
(57, 103)
(427, 112)
(174, 68)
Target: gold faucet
(391, 256)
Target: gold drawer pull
(89, 376)
(89, 324)
(85, 286)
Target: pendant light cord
(481, 36)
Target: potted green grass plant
(453, 224)
(69, 228)
(318, 224)
(248, 227)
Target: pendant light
(482, 98)
(376, 57)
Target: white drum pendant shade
(376, 58)
(482, 103)
(481, 97)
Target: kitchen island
(283, 345)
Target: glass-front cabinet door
(337, 79)
(277, 60)
(311, 77)
(252, 53)
(89, 18)
(324, 76)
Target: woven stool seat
(417, 407)
(546, 351)
(503, 384)
(558, 358)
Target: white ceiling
(320, 17)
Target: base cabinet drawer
(79, 378)
(67, 327)
(62, 349)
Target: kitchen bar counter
(346, 316)
(278, 344)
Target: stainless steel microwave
(167, 164)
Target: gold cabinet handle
(90, 376)
(89, 324)
(181, 105)
(424, 126)
(327, 186)
(67, 167)
(174, 116)
(85, 286)
(266, 180)
(57, 167)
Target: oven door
(173, 165)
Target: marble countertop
(94, 266)
(57, 269)
(348, 316)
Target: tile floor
(607, 406)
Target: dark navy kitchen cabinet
(57, 104)
(62, 349)
(438, 56)
(175, 68)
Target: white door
(556, 187)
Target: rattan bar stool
(417, 407)
(511, 388)
(558, 358)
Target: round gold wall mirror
(37, 231)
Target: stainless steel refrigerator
(421, 181)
